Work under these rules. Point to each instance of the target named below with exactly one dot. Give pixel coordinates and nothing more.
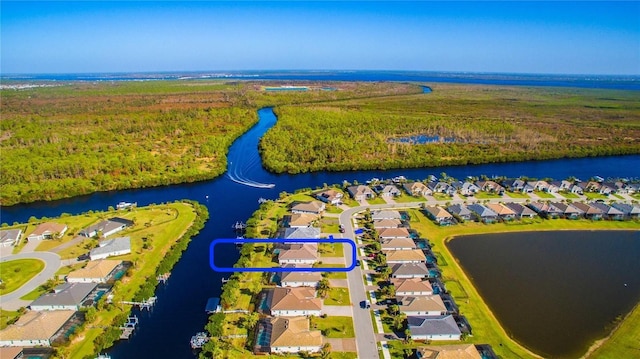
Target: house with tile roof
(412, 286)
(406, 256)
(300, 220)
(568, 211)
(292, 335)
(385, 214)
(10, 237)
(409, 270)
(386, 223)
(439, 215)
(505, 213)
(387, 191)
(293, 302)
(94, 272)
(441, 327)
(360, 192)
(490, 187)
(416, 188)
(385, 233)
(458, 351)
(297, 253)
(110, 248)
(312, 207)
(67, 296)
(331, 196)
(545, 209)
(520, 210)
(421, 305)
(47, 230)
(35, 328)
(397, 244)
(299, 278)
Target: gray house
(360, 192)
(439, 327)
(67, 296)
(409, 270)
(608, 212)
(629, 210)
(485, 213)
(461, 211)
(521, 211)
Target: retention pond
(554, 292)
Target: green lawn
(455, 288)
(334, 326)
(333, 209)
(623, 341)
(487, 195)
(517, 195)
(16, 273)
(543, 194)
(343, 355)
(350, 202)
(405, 198)
(7, 316)
(569, 195)
(330, 250)
(376, 200)
(592, 195)
(337, 296)
(441, 197)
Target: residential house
(542, 186)
(460, 211)
(416, 189)
(312, 207)
(331, 196)
(421, 305)
(590, 212)
(504, 212)
(110, 248)
(397, 244)
(12, 353)
(485, 214)
(10, 237)
(439, 215)
(376, 215)
(387, 191)
(629, 210)
(545, 209)
(556, 186)
(293, 302)
(360, 192)
(47, 230)
(608, 212)
(520, 210)
(591, 186)
(412, 286)
(99, 271)
(35, 328)
(621, 187)
(297, 253)
(292, 335)
(566, 185)
(386, 223)
(514, 185)
(576, 189)
(409, 270)
(67, 296)
(607, 188)
(298, 278)
(466, 188)
(441, 327)
(405, 256)
(300, 220)
(107, 227)
(490, 187)
(460, 351)
(568, 211)
(385, 233)
(301, 233)
(441, 187)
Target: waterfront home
(608, 212)
(441, 327)
(107, 227)
(301, 233)
(409, 270)
(67, 296)
(405, 256)
(299, 220)
(397, 244)
(297, 253)
(331, 196)
(485, 214)
(416, 189)
(521, 211)
(292, 335)
(513, 185)
(568, 211)
(110, 248)
(421, 305)
(376, 215)
(629, 210)
(466, 188)
(99, 271)
(566, 185)
(387, 191)
(385, 233)
(442, 187)
(293, 302)
(35, 328)
(439, 215)
(622, 187)
(295, 279)
(48, 230)
(386, 223)
(412, 286)
(542, 186)
(312, 207)
(461, 211)
(607, 188)
(546, 210)
(459, 351)
(591, 186)
(590, 212)
(576, 189)
(504, 212)
(490, 187)
(360, 192)
(10, 237)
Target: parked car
(357, 263)
(365, 304)
(341, 229)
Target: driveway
(338, 310)
(52, 263)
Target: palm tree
(323, 288)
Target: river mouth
(554, 292)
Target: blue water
(628, 82)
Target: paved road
(52, 263)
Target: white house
(34, 328)
(110, 248)
(10, 237)
(94, 272)
(412, 286)
(441, 327)
(299, 278)
(292, 335)
(48, 230)
(421, 305)
(293, 302)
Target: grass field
(517, 195)
(569, 195)
(17, 272)
(376, 200)
(542, 194)
(334, 326)
(337, 296)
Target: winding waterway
(179, 313)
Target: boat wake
(246, 162)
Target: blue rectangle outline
(281, 269)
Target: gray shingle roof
(67, 294)
(433, 325)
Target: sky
(512, 37)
